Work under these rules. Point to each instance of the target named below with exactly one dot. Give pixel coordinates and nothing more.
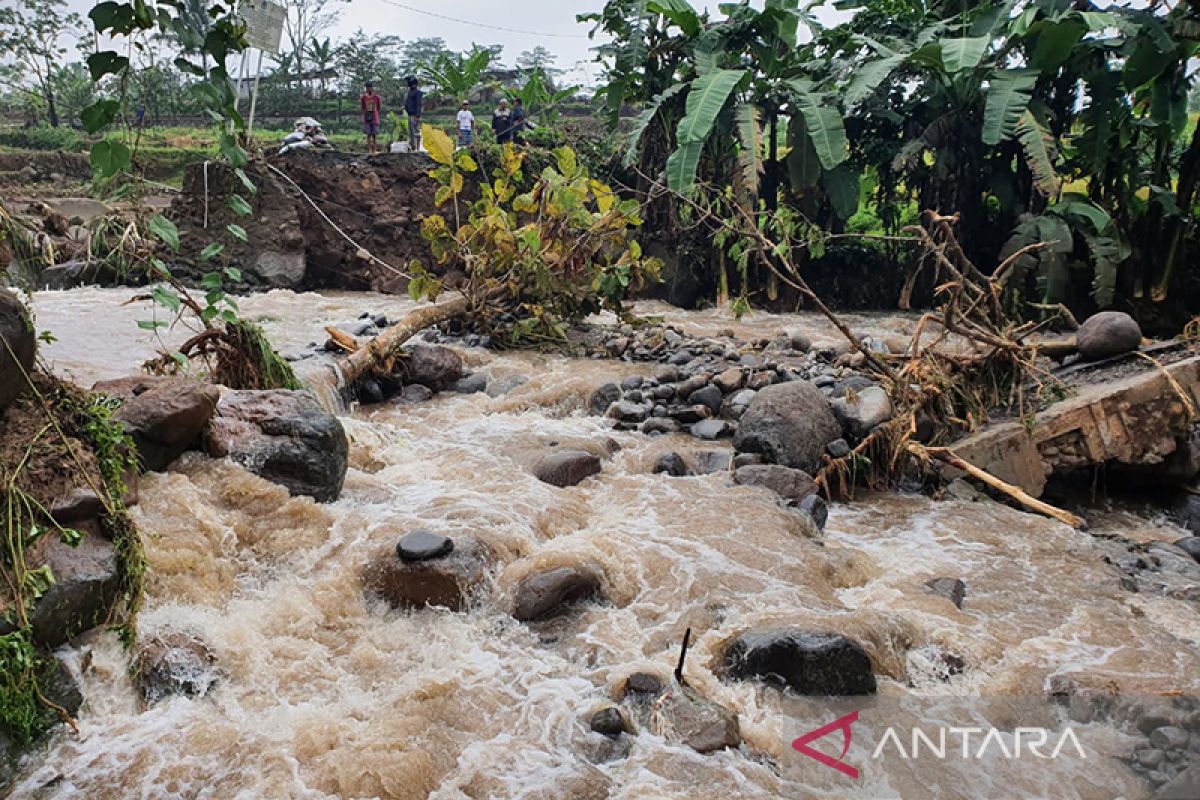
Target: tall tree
(30, 31)
(321, 53)
(539, 58)
(365, 58)
(306, 20)
(419, 52)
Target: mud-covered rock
(16, 335)
(436, 367)
(86, 588)
(792, 485)
(817, 510)
(175, 663)
(670, 464)
(602, 397)
(953, 589)
(284, 437)
(790, 424)
(565, 468)
(609, 721)
(699, 723)
(552, 592)
(164, 417)
(450, 581)
(1107, 334)
(1184, 786)
(811, 663)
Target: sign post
(264, 31)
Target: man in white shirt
(466, 125)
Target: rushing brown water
(327, 695)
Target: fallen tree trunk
(378, 354)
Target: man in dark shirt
(371, 106)
(518, 121)
(414, 102)
(502, 123)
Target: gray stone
(175, 663)
(959, 489)
(735, 405)
(1148, 758)
(1190, 545)
(1169, 737)
(628, 411)
(658, 426)
(860, 411)
(811, 663)
(470, 384)
(792, 485)
(543, 595)
(690, 414)
(680, 358)
(693, 384)
(284, 437)
(706, 462)
(281, 269)
(1184, 786)
(837, 448)
(632, 382)
(817, 509)
(668, 374)
(1107, 334)
(423, 545)
(700, 724)
(730, 380)
(707, 396)
(710, 429)
(609, 721)
(790, 424)
(671, 464)
(953, 589)
(165, 418)
(799, 341)
(498, 387)
(414, 393)
(439, 368)
(86, 588)
(567, 467)
(644, 684)
(450, 581)
(747, 460)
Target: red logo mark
(843, 724)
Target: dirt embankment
(376, 201)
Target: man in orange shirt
(371, 106)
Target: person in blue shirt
(414, 102)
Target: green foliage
(456, 76)
(539, 254)
(42, 138)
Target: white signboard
(264, 24)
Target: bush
(43, 138)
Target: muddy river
(325, 694)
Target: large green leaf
(1055, 42)
(1148, 61)
(842, 186)
(1038, 145)
(824, 124)
(706, 98)
(749, 148)
(679, 12)
(1007, 98)
(804, 168)
(870, 76)
(1107, 255)
(644, 119)
(963, 53)
(110, 157)
(681, 166)
(1078, 209)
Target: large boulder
(792, 485)
(564, 468)
(175, 663)
(861, 410)
(826, 664)
(1107, 334)
(86, 588)
(163, 416)
(551, 593)
(790, 424)
(284, 437)
(18, 347)
(439, 368)
(449, 580)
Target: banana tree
(457, 75)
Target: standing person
(518, 121)
(414, 102)
(466, 125)
(371, 106)
(502, 123)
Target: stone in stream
(284, 437)
(708, 395)
(730, 380)
(439, 368)
(175, 663)
(953, 589)
(735, 405)
(1190, 545)
(543, 595)
(817, 509)
(412, 394)
(1184, 786)
(701, 724)
(643, 684)
(471, 384)
(790, 424)
(565, 468)
(1107, 334)
(838, 448)
(693, 384)
(792, 485)
(690, 414)
(165, 416)
(449, 581)
(799, 340)
(659, 426)
(707, 462)
(86, 588)
(498, 387)
(423, 545)
(710, 429)
(16, 331)
(671, 464)
(861, 410)
(1169, 737)
(632, 382)
(628, 411)
(609, 721)
(811, 663)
